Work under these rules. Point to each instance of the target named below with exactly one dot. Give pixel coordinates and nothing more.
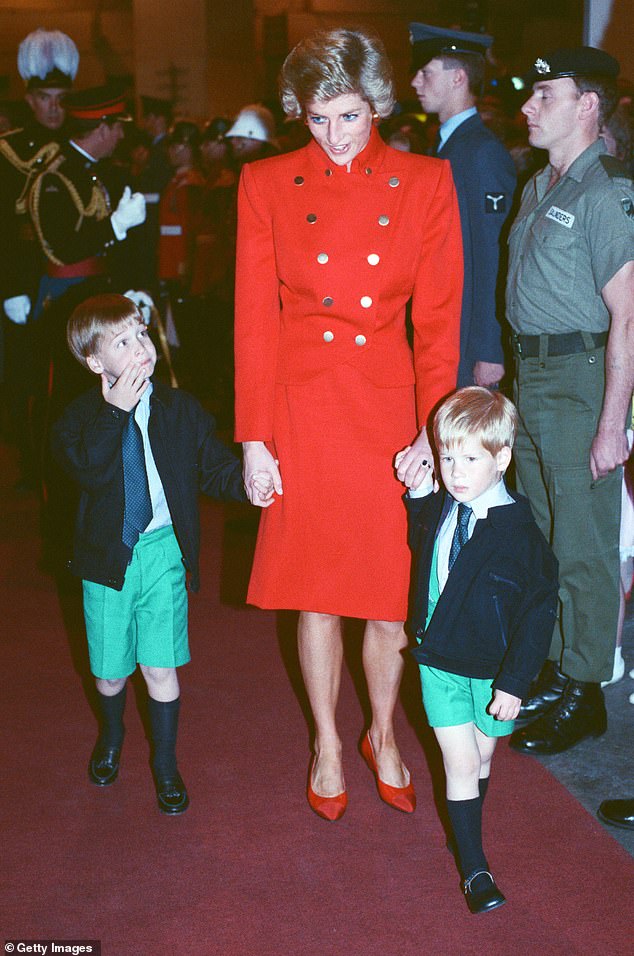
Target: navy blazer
(188, 456)
(485, 179)
(496, 613)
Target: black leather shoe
(618, 813)
(579, 714)
(171, 794)
(104, 765)
(481, 892)
(545, 691)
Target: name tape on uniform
(561, 216)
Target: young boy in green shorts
(484, 604)
(140, 452)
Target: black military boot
(545, 690)
(579, 713)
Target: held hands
(130, 212)
(504, 706)
(261, 474)
(128, 388)
(415, 462)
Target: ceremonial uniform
(327, 260)
(24, 153)
(565, 245)
(485, 178)
(47, 62)
(71, 211)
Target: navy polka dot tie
(461, 534)
(138, 505)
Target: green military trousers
(559, 399)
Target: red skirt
(336, 541)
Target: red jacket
(179, 215)
(326, 263)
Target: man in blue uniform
(448, 68)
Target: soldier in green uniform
(570, 304)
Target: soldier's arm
(609, 447)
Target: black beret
(574, 61)
(429, 42)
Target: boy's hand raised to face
(128, 389)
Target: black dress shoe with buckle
(579, 714)
(481, 892)
(618, 813)
(171, 793)
(545, 691)
(104, 765)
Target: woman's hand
(504, 706)
(415, 462)
(261, 474)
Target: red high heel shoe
(401, 798)
(329, 808)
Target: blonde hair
(91, 320)
(476, 412)
(337, 63)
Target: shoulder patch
(628, 206)
(494, 202)
(614, 167)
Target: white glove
(130, 212)
(17, 308)
(142, 301)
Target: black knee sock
(111, 709)
(483, 786)
(164, 728)
(466, 822)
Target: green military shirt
(567, 243)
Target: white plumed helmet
(48, 58)
(254, 122)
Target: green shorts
(145, 622)
(451, 700)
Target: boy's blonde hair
(91, 320)
(476, 412)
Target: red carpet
(249, 870)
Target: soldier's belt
(75, 270)
(567, 343)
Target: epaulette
(29, 168)
(614, 167)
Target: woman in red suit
(333, 241)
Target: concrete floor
(603, 768)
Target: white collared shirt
(493, 497)
(452, 124)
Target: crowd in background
(183, 255)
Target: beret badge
(541, 66)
